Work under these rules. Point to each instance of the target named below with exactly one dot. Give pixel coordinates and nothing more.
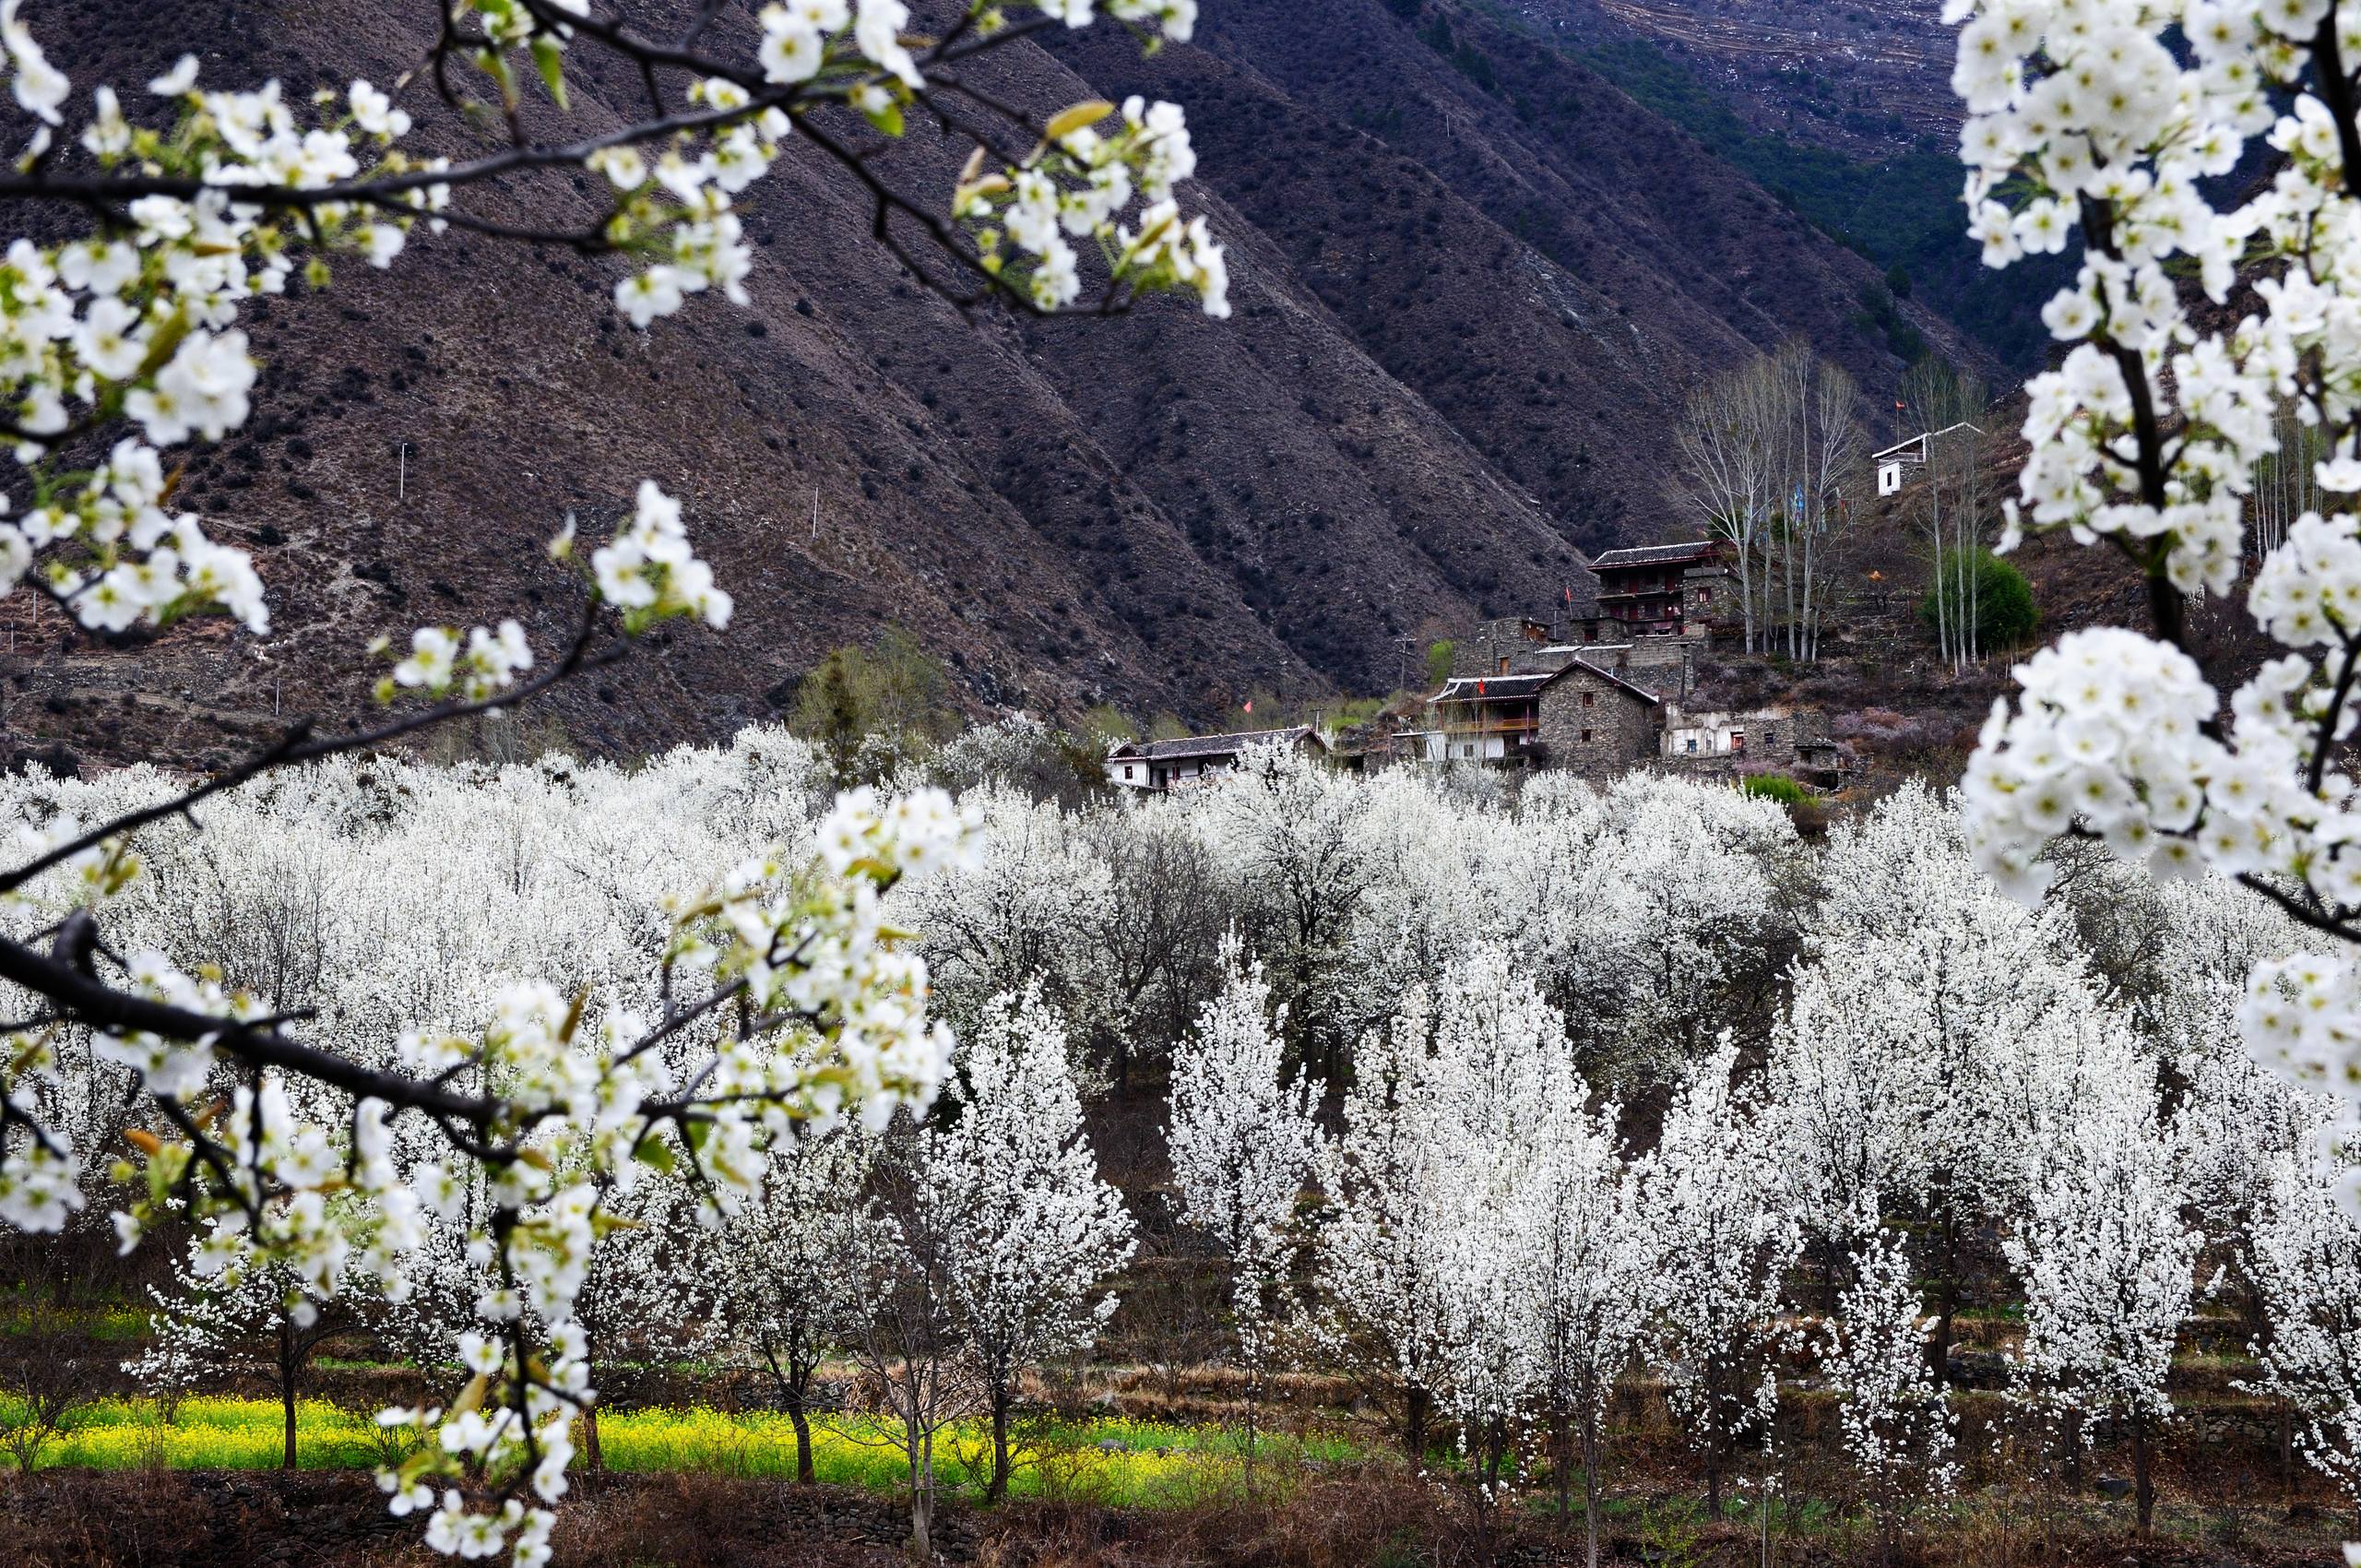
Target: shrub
(1775, 787)
(2002, 599)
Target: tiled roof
(1653, 554)
(1463, 688)
(1612, 679)
(1208, 746)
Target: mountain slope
(1458, 343)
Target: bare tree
(1952, 408)
(1835, 446)
(1765, 450)
(1726, 471)
(2284, 485)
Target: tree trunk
(1590, 1485)
(1938, 1345)
(592, 1459)
(1415, 1404)
(2287, 1454)
(287, 1366)
(1562, 1461)
(1713, 1488)
(804, 1474)
(2144, 1485)
(792, 1380)
(921, 1500)
(999, 1487)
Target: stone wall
(1666, 666)
(1773, 736)
(1607, 735)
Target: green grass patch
(1775, 787)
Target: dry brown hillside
(1466, 309)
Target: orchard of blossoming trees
(1637, 1093)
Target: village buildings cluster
(1609, 688)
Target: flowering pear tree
(1897, 1429)
(1723, 1236)
(1245, 1142)
(230, 1311)
(127, 344)
(2304, 1254)
(2106, 1261)
(1428, 1264)
(910, 1340)
(1285, 829)
(1379, 1311)
(1595, 1288)
(1033, 1234)
(1500, 1067)
(783, 1270)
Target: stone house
(1778, 739)
(1482, 719)
(1576, 715)
(1661, 590)
(1594, 722)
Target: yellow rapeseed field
(1111, 1461)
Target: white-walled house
(1894, 464)
(1161, 764)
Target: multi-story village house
(1658, 590)
(1614, 693)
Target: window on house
(1692, 745)
(1586, 699)
(1467, 749)
(1504, 665)
(1590, 634)
(1127, 770)
(1737, 740)
(1770, 737)
(1586, 737)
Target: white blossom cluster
(2109, 120)
(1075, 191)
(1245, 1142)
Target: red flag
(1249, 705)
(1479, 688)
(1570, 593)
